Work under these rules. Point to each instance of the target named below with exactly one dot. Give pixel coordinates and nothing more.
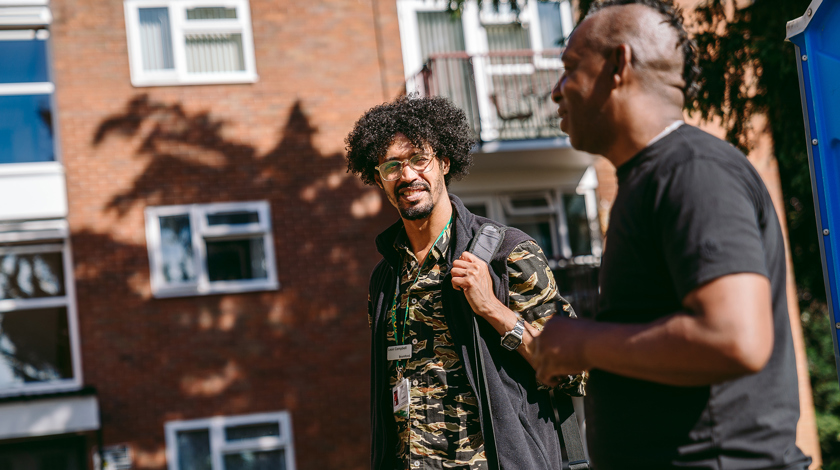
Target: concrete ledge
(59, 415)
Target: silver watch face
(511, 341)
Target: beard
(417, 212)
(420, 210)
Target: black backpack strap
(571, 443)
(485, 245)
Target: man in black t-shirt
(691, 356)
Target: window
(536, 215)
(564, 224)
(38, 331)
(185, 42)
(579, 226)
(26, 88)
(555, 23)
(210, 248)
(248, 442)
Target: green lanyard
(399, 339)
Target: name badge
(396, 353)
(401, 393)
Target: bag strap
(487, 242)
(485, 245)
(570, 438)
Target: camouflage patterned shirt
(442, 430)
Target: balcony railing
(506, 95)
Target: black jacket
(516, 417)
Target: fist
(471, 275)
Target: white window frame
(28, 19)
(180, 26)
(50, 236)
(219, 446)
(490, 203)
(201, 231)
(500, 208)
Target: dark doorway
(62, 453)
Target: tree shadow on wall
(234, 354)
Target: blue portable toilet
(817, 38)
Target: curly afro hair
(433, 122)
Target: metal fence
(505, 94)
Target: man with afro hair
(452, 385)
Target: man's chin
(418, 212)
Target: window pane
(550, 24)
(252, 431)
(211, 13)
(156, 39)
(213, 53)
(477, 209)
(34, 346)
(580, 237)
(529, 202)
(24, 60)
(194, 450)
(234, 260)
(31, 275)
(26, 129)
(540, 231)
(507, 37)
(233, 218)
(256, 460)
(177, 257)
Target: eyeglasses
(391, 170)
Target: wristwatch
(513, 338)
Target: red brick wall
(303, 348)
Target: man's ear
(445, 163)
(622, 58)
(378, 180)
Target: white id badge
(400, 397)
(395, 353)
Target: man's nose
(556, 94)
(407, 173)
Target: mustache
(413, 185)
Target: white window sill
(216, 288)
(31, 168)
(214, 79)
(53, 386)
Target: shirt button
(416, 423)
(413, 301)
(415, 383)
(416, 463)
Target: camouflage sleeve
(534, 296)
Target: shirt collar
(671, 128)
(401, 244)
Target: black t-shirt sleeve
(708, 224)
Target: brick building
(183, 258)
